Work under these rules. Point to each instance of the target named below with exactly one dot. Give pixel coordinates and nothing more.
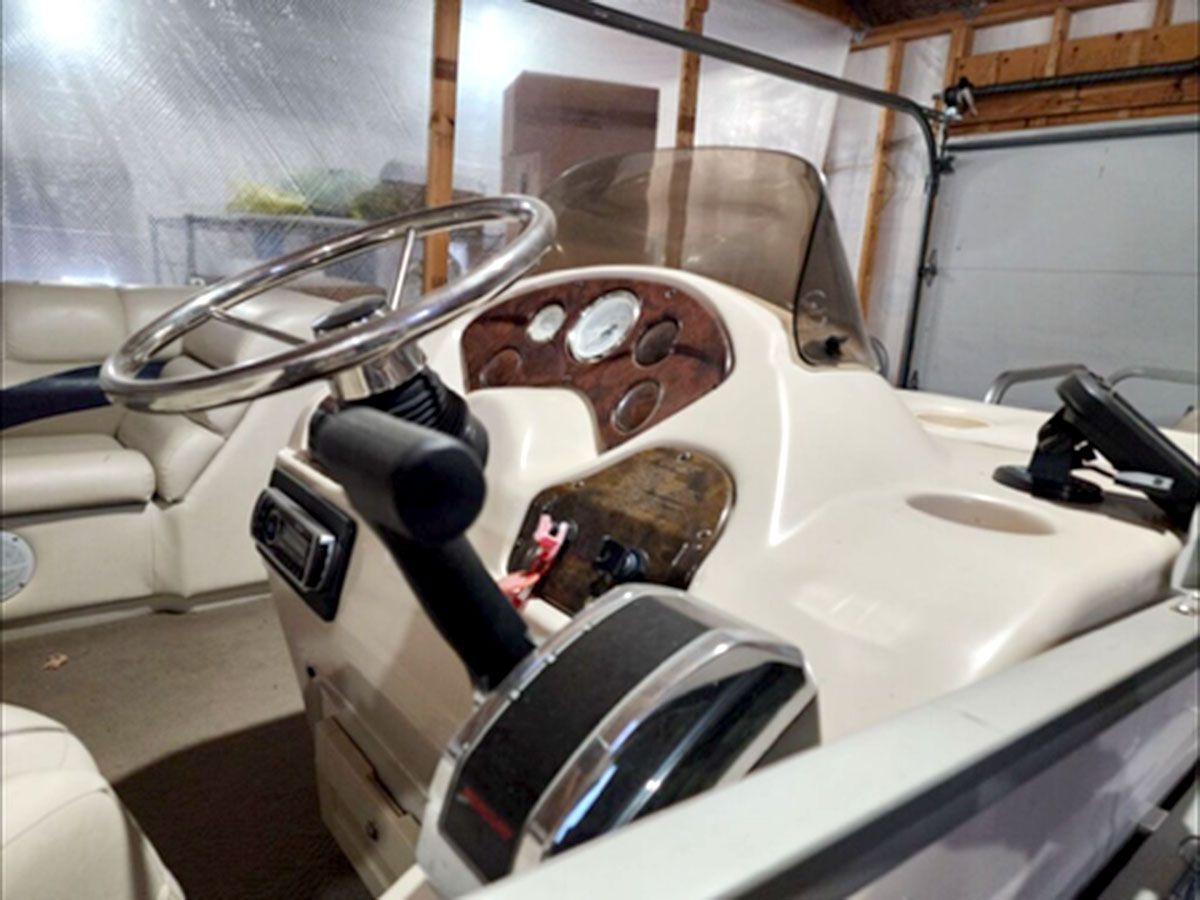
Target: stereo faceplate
(304, 538)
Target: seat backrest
(52, 330)
(180, 447)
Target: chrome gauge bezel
(583, 330)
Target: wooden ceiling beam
(996, 13)
(833, 9)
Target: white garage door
(1082, 252)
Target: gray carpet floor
(196, 720)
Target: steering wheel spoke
(394, 296)
(224, 315)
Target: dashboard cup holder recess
(979, 512)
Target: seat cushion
(178, 448)
(63, 831)
(50, 473)
(65, 834)
(31, 742)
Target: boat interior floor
(197, 721)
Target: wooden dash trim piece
(998, 12)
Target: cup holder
(980, 512)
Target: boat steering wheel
(345, 348)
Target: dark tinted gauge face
(656, 343)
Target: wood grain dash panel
(497, 352)
(669, 502)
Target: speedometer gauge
(604, 325)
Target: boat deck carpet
(197, 721)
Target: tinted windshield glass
(757, 220)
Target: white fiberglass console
(865, 528)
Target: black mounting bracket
(1061, 449)
(1096, 420)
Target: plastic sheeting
(157, 140)
(124, 116)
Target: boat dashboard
(637, 350)
(822, 505)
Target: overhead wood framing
(689, 78)
(1162, 13)
(1060, 28)
(833, 9)
(996, 13)
(877, 194)
(1136, 97)
(1136, 94)
(443, 102)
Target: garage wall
(1081, 252)
(848, 167)
(1112, 219)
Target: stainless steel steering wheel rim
(322, 357)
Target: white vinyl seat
(119, 505)
(65, 833)
(49, 473)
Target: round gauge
(545, 324)
(604, 325)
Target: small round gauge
(604, 325)
(546, 322)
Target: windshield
(758, 220)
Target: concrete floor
(197, 721)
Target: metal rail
(1084, 79)
(1154, 373)
(706, 46)
(1008, 379)
(926, 117)
(1116, 132)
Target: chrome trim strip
(715, 654)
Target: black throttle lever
(420, 490)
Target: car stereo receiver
(305, 539)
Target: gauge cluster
(639, 351)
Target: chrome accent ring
(341, 350)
